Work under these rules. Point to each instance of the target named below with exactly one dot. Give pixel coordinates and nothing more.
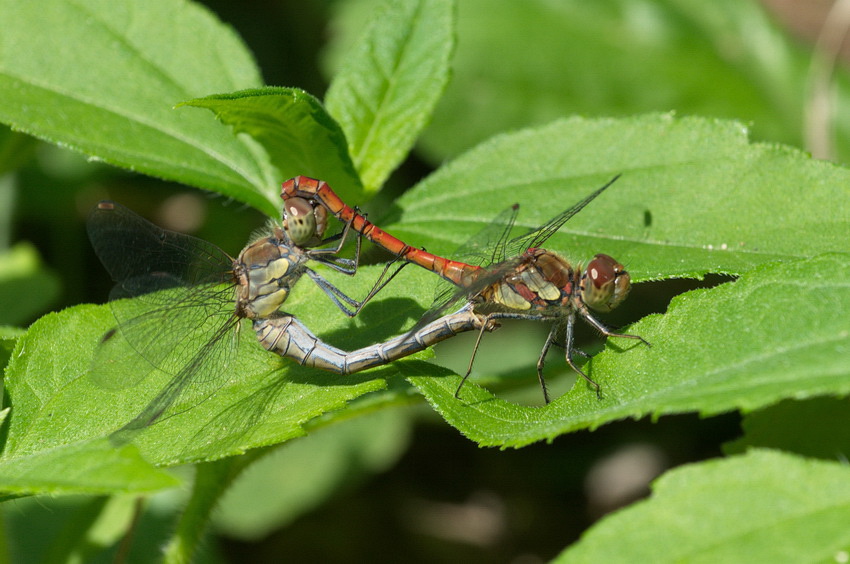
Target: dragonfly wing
(449, 296)
(486, 246)
(165, 328)
(536, 237)
(482, 249)
(133, 249)
(184, 311)
(204, 370)
(193, 344)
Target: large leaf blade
(695, 196)
(295, 130)
(390, 83)
(103, 78)
(761, 507)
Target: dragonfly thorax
(538, 280)
(265, 272)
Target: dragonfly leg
(338, 296)
(542, 360)
(487, 323)
(380, 282)
(346, 266)
(579, 351)
(335, 294)
(568, 345)
(596, 324)
(328, 256)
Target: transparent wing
(504, 255)
(482, 249)
(182, 320)
(487, 246)
(448, 295)
(144, 257)
(203, 370)
(536, 237)
(164, 328)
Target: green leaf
(694, 197)
(102, 77)
(390, 82)
(818, 427)
(26, 286)
(736, 346)
(762, 507)
(295, 131)
(93, 466)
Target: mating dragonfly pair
(196, 295)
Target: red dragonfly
(521, 281)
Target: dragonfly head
(604, 283)
(304, 222)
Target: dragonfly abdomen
(288, 337)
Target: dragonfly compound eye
(605, 283)
(302, 222)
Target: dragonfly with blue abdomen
(193, 297)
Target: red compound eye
(609, 283)
(300, 221)
(601, 270)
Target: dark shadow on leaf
(378, 322)
(292, 372)
(391, 214)
(647, 298)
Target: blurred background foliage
(401, 482)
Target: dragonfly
(514, 279)
(193, 296)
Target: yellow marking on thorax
(504, 295)
(532, 278)
(266, 304)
